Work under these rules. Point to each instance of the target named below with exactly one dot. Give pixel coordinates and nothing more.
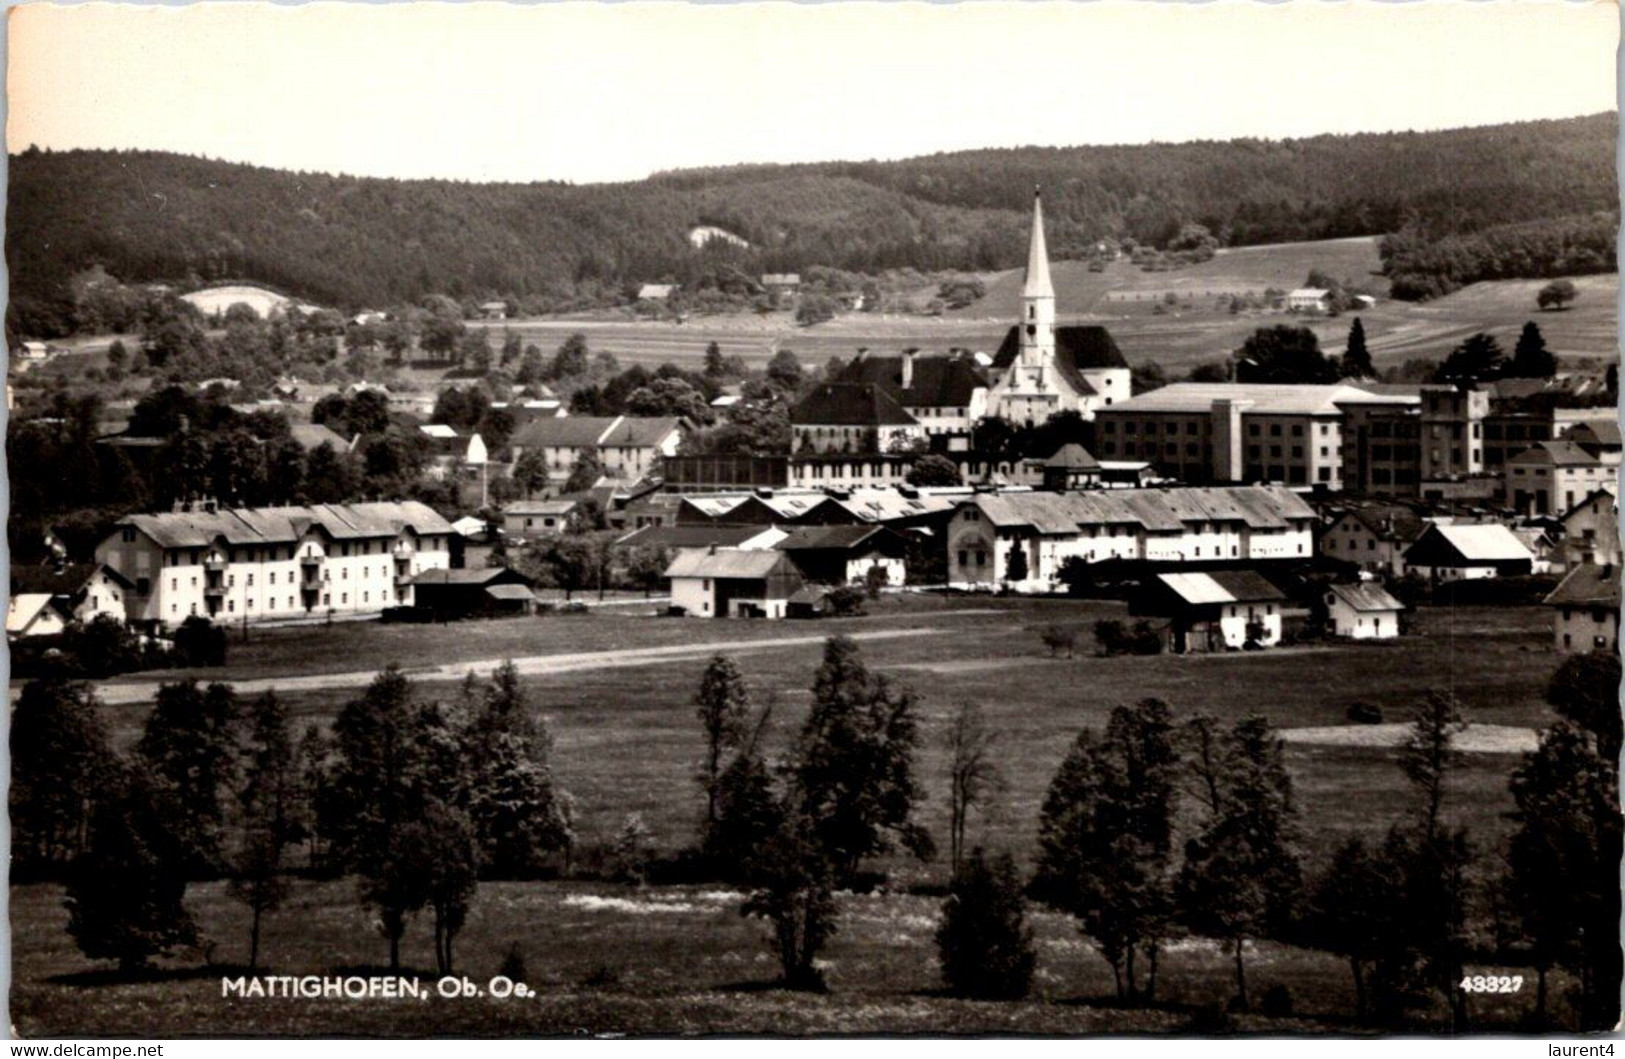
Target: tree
(531, 471)
(368, 413)
(723, 707)
(270, 816)
(794, 885)
(126, 892)
(1241, 873)
(443, 841)
(854, 770)
(784, 372)
(973, 775)
(984, 943)
(1350, 912)
(61, 767)
(1477, 359)
(586, 472)
(1557, 294)
(1015, 567)
(1283, 354)
(1356, 358)
(1106, 835)
(815, 309)
(1585, 691)
(190, 745)
(749, 811)
(1427, 756)
(571, 359)
(1530, 358)
(1563, 860)
(933, 470)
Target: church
(1041, 369)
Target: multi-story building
(1450, 441)
(1239, 432)
(852, 435)
(1552, 476)
(1585, 610)
(1167, 527)
(946, 395)
(1591, 532)
(258, 564)
(1041, 369)
(627, 447)
(1373, 538)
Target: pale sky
(586, 92)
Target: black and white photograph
(842, 519)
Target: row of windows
(231, 579)
(274, 553)
(327, 601)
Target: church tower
(1037, 360)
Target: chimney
(908, 368)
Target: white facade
(1235, 619)
(1578, 630)
(1345, 620)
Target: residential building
(1040, 370)
(1308, 300)
(656, 292)
(1363, 611)
(452, 450)
(839, 555)
(1451, 439)
(1160, 527)
(854, 436)
(1214, 611)
(782, 282)
(1591, 532)
(1600, 437)
(1511, 433)
(1553, 476)
(1374, 538)
(1585, 610)
(493, 310)
(1238, 432)
(257, 564)
(1453, 552)
(946, 395)
(45, 599)
(1071, 467)
(627, 447)
(733, 582)
(534, 518)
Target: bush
(1139, 639)
(1277, 1002)
(200, 642)
(846, 602)
(984, 943)
(1059, 638)
(1109, 636)
(1364, 713)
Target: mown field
(608, 957)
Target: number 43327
(1492, 983)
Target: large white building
(259, 564)
(1166, 526)
(1040, 369)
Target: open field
(608, 957)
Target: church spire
(1038, 284)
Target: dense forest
(353, 242)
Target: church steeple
(1038, 284)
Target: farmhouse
(733, 583)
(1461, 552)
(1553, 476)
(493, 310)
(1161, 527)
(1364, 611)
(782, 282)
(1040, 370)
(1591, 532)
(256, 564)
(45, 599)
(627, 447)
(1585, 609)
(451, 449)
(840, 555)
(1308, 300)
(1374, 538)
(470, 593)
(1217, 611)
(656, 292)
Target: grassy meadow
(610, 957)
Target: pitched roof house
(733, 582)
(1363, 611)
(1214, 610)
(1456, 552)
(1586, 610)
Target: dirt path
(126, 692)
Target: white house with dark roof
(1585, 610)
(1363, 611)
(945, 394)
(1214, 611)
(627, 447)
(1041, 369)
(1591, 532)
(1457, 552)
(258, 564)
(45, 599)
(733, 582)
(1551, 477)
(852, 435)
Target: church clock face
(1032, 329)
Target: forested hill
(355, 242)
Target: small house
(494, 310)
(1585, 610)
(481, 592)
(656, 292)
(733, 582)
(840, 555)
(531, 518)
(1363, 611)
(1308, 300)
(1071, 468)
(1461, 552)
(450, 449)
(1591, 532)
(782, 282)
(45, 599)
(1224, 610)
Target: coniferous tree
(1356, 358)
(984, 943)
(1530, 357)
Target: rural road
(127, 692)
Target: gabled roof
(1155, 510)
(1366, 596)
(22, 609)
(1309, 292)
(1604, 432)
(938, 381)
(1488, 542)
(66, 580)
(1588, 585)
(726, 563)
(1221, 586)
(566, 432)
(472, 575)
(539, 507)
(1389, 523)
(1264, 398)
(875, 505)
(1078, 348)
(820, 538)
(698, 536)
(1557, 453)
(285, 525)
(1596, 496)
(1073, 457)
(315, 435)
(850, 404)
(640, 431)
